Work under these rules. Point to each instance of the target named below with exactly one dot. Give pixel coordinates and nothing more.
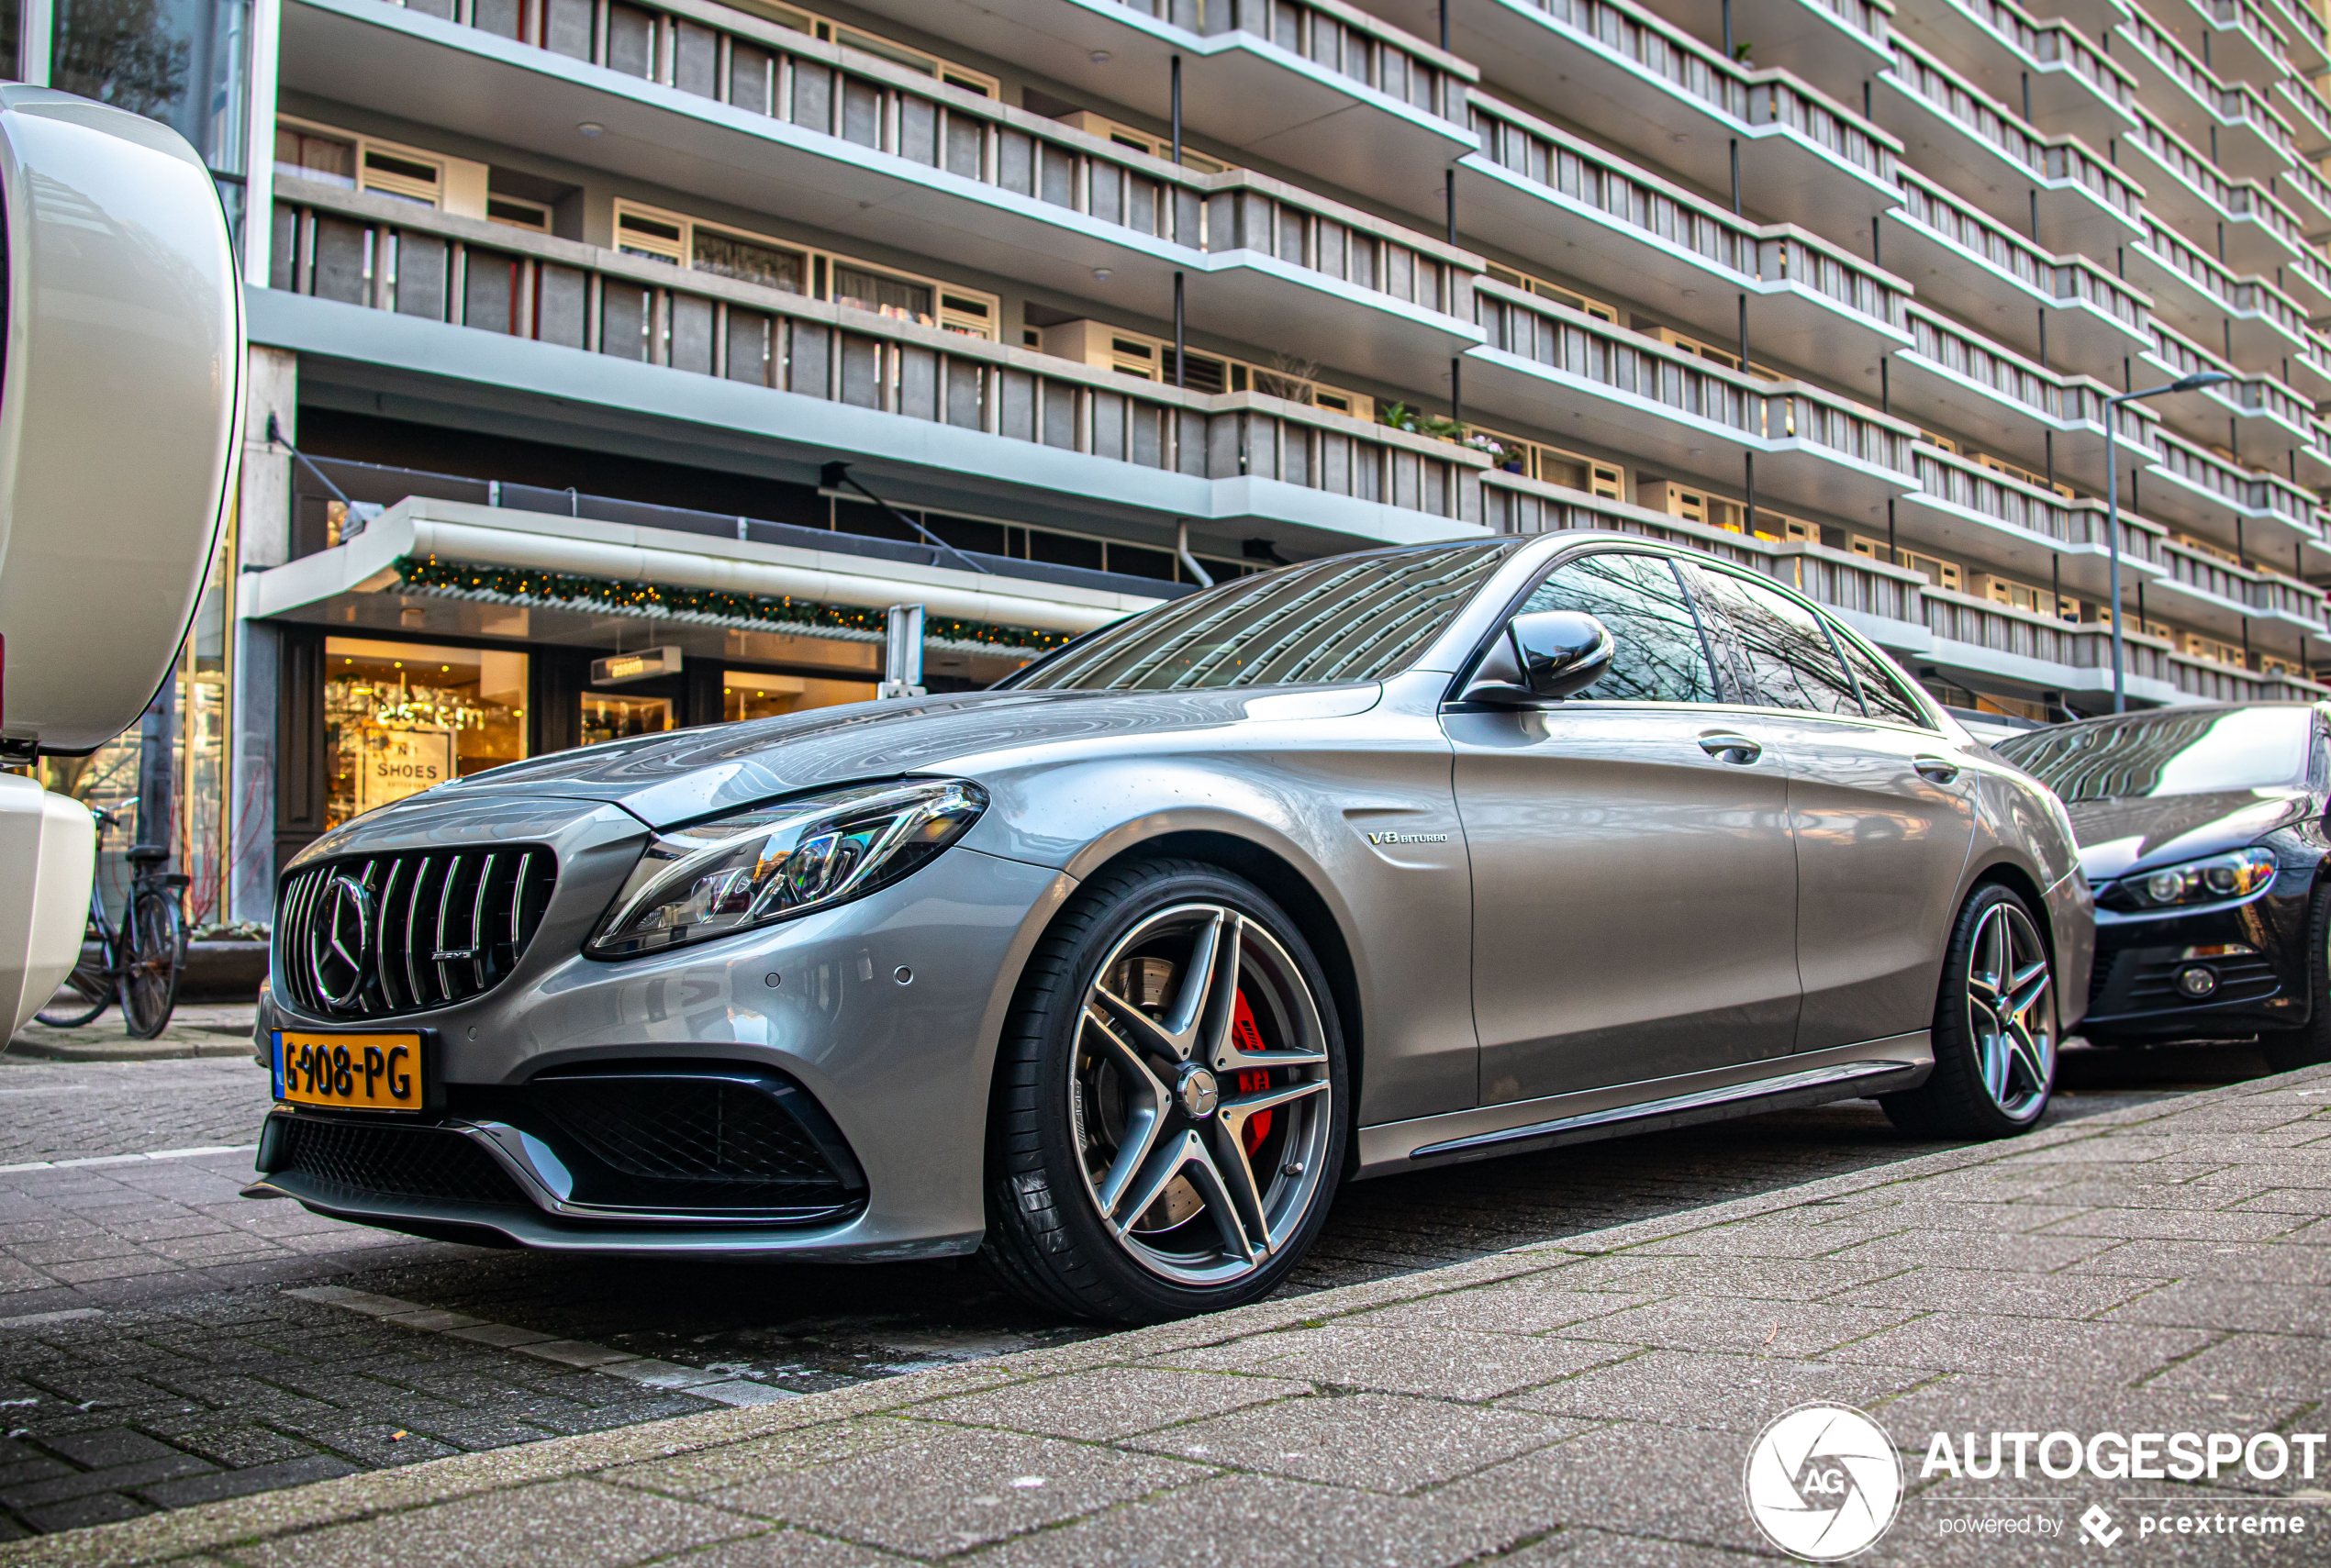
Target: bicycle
(138, 961)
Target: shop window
(400, 717)
(748, 694)
(612, 716)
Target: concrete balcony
(2257, 415)
(2048, 422)
(2235, 123)
(2254, 230)
(2253, 324)
(1562, 371)
(2309, 370)
(1977, 513)
(2305, 35)
(415, 308)
(1636, 80)
(1834, 44)
(871, 150)
(1316, 85)
(2188, 486)
(1542, 193)
(2198, 680)
(2049, 72)
(2302, 103)
(2065, 311)
(2234, 603)
(2053, 188)
(2308, 197)
(1990, 639)
(2234, 38)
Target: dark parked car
(2201, 833)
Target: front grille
(705, 1142)
(359, 1160)
(430, 929)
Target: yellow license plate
(350, 1072)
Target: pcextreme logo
(1824, 1483)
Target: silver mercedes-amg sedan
(1115, 971)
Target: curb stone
(297, 1510)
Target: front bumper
(2255, 954)
(873, 1026)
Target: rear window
(1350, 618)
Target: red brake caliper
(1246, 1036)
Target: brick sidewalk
(2165, 1268)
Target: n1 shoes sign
(399, 762)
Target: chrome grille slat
(419, 955)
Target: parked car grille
(426, 929)
(358, 1161)
(704, 1141)
(2240, 979)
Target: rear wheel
(1995, 1031)
(2310, 1044)
(1168, 1124)
(154, 938)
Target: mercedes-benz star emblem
(339, 943)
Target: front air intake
(383, 935)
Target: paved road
(152, 1356)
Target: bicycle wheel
(85, 993)
(155, 943)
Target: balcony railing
(2260, 593)
(2237, 299)
(1338, 37)
(2258, 36)
(2046, 46)
(869, 102)
(1948, 480)
(2048, 160)
(2063, 400)
(1582, 348)
(1936, 208)
(2257, 495)
(1751, 98)
(2308, 35)
(2308, 194)
(392, 256)
(2221, 199)
(2251, 397)
(2309, 116)
(1571, 167)
(2223, 683)
(2232, 104)
(2026, 634)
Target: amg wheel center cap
(1198, 1092)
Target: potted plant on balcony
(1501, 453)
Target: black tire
(86, 993)
(1047, 1237)
(153, 953)
(1959, 1101)
(2287, 1051)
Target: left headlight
(776, 862)
(2213, 880)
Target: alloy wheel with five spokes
(2009, 1013)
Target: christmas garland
(515, 584)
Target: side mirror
(1543, 658)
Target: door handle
(1732, 746)
(1940, 769)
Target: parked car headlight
(776, 862)
(2210, 881)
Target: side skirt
(1845, 1072)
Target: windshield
(2169, 753)
(1349, 617)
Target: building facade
(563, 313)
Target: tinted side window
(1780, 655)
(1882, 686)
(1661, 655)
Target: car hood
(690, 773)
(2118, 837)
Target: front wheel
(2309, 1044)
(154, 945)
(1168, 1125)
(1995, 1031)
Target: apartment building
(616, 361)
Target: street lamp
(2193, 382)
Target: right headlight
(776, 861)
(2213, 880)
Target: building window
(748, 694)
(306, 151)
(400, 717)
(612, 716)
